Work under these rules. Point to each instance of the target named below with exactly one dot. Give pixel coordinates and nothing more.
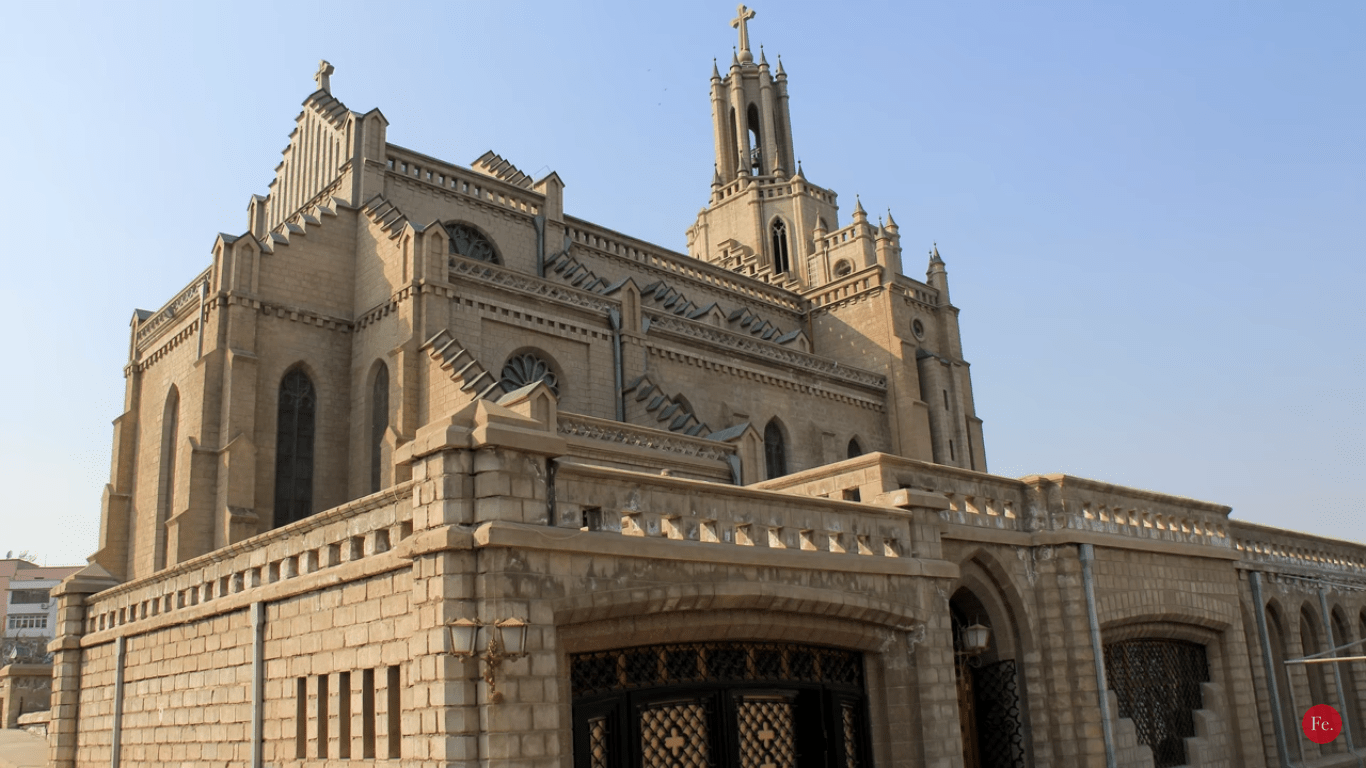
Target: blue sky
(1153, 214)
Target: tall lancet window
(379, 424)
(775, 453)
(170, 426)
(294, 448)
(781, 262)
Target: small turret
(936, 276)
(892, 228)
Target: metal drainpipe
(1277, 717)
(116, 740)
(258, 682)
(1087, 554)
(1337, 671)
(540, 244)
(614, 318)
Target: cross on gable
(743, 15)
(323, 76)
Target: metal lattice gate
(996, 705)
(1157, 683)
(719, 705)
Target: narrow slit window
(367, 713)
(395, 715)
(322, 716)
(344, 715)
(301, 719)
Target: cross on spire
(323, 76)
(743, 15)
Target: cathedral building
(422, 470)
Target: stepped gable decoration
(676, 414)
(491, 164)
(664, 296)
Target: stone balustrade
(352, 532)
(599, 239)
(150, 329)
(418, 167)
(672, 509)
(1259, 546)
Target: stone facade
(738, 499)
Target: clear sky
(1153, 213)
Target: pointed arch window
(294, 439)
(170, 426)
(854, 448)
(781, 262)
(775, 451)
(379, 424)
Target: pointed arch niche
(295, 430)
(170, 428)
(379, 423)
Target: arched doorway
(719, 705)
(990, 717)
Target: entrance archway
(720, 705)
(989, 709)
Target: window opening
(775, 453)
(469, 242)
(854, 448)
(524, 369)
(781, 263)
(1157, 683)
(294, 449)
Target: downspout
(614, 318)
(1087, 554)
(116, 739)
(258, 682)
(1337, 671)
(1277, 717)
(540, 244)
(203, 294)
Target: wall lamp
(507, 640)
(975, 639)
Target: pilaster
(72, 596)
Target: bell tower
(764, 218)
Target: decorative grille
(675, 736)
(658, 665)
(526, 368)
(996, 702)
(767, 736)
(1157, 683)
(597, 743)
(471, 243)
(849, 719)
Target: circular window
(843, 268)
(918, 328)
